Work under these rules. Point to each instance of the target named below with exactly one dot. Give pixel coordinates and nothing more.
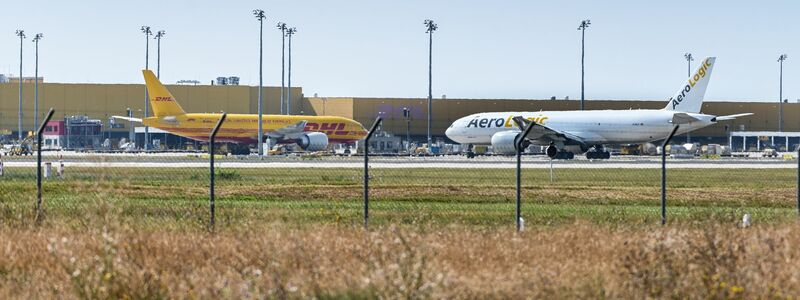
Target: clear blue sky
(483, 49)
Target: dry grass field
(296, 233)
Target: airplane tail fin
(161, 99)
(690, 97)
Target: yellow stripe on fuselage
(244, 126)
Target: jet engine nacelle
(313, 141)
(503, 142)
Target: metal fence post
(39, 132)
(519, 142)
(664, 175)
(366, 169)
(798, 179)
(211, 168)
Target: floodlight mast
(158, 37)
(282, 27)
(689, 58)
(584, 24)
(289, 32)
(21, 34)
(430, 28)
(781, 59)
(260, 16)
(36, 39)
(147, 34)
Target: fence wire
(170, 188)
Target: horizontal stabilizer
(731, 117)
(683, 118)
(127, 119)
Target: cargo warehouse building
(101, 101)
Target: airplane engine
(503, 142)
(313, 141)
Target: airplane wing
(731, 117)
(683, 118)
(541, 132)
(127, 119)
(289, 131)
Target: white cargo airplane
(580, 130)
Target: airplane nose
(449, 132)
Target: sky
(482, 49)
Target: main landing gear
(555, 153)
(598, 152)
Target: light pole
(36, 39)
(430, 28)
(407, 116)
(689, 60)
(147, 34)
(584, 24)
(282, 27)
(260, 16)
(290, 32)
(158, 37)
(780, 95)
(131, 134)
(21, 34)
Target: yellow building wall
(101, 101)
(445, 111)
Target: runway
(443, 162)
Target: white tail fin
(690, 97)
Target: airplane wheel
(564, 155)
(607, 155)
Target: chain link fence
(407, 186)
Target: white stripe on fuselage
(594, 127)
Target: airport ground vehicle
(26, 147)
(580, 131)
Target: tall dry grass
(280, 261)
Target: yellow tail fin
(161, 99)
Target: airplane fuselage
(243, 128)
(593, 126)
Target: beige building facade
(101, 101)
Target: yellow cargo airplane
(311, 133)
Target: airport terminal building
(101, 101)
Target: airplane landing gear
(562, 154)
(470, 153)
(598, 152)
(555, 153)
